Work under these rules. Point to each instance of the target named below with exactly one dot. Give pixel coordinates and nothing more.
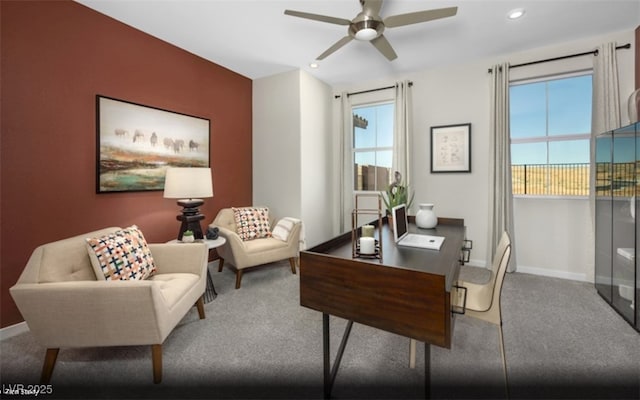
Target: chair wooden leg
(220, 264)
(238, 278)
(292, 262)
(156, 358)
(412, 353)
(200, 306)
(504, 360)
(49, 362)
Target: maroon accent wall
(56, 56)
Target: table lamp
(189, 185)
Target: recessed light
(314, 65)
(515, 14)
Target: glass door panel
(623, 221)
(604, 199)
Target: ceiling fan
(368, 25)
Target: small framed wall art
(137, 143)
(451, 148)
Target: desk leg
(427, 370)
(331, 372)
(326, 349)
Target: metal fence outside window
(616, 179)
(551, 179)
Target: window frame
(354, 151)
(548, 139)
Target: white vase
(426, 218)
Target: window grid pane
(547, 160)
(373, 146)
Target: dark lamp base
(190, 217)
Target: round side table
(210, 292)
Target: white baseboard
(552, 273)
(13, 330)
(537, 271)
(476, 263)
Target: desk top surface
(408, 293)
(438, 262)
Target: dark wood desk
(408, 293)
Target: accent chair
(65, 304)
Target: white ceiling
(255, 39)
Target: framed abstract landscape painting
(135, 144)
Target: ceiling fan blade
(335, 47)
(371, 7)
(318, 17)
(382, 44)
(419, 16)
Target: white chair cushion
(174, 286)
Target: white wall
(292, 166)
(446, 96)
(296, 155)
(553, 237)
(316, 167)
(276, 144)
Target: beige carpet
(561, 339)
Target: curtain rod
(593, 52)
(337, 96)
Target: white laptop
(404, 238)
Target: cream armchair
(245, 254)
(64, 304)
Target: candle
(367, 230)
(367, 245)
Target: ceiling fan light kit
(366, 30)
(369, 26)
(366, 34)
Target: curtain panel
(346, 155)
(402, 130)
(500, 193)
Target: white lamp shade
(188, 183)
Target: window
(550, 129)
(372, 146)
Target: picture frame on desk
(451, 148)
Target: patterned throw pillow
(122, 255)
(252, 223)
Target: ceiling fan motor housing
(366, 28)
